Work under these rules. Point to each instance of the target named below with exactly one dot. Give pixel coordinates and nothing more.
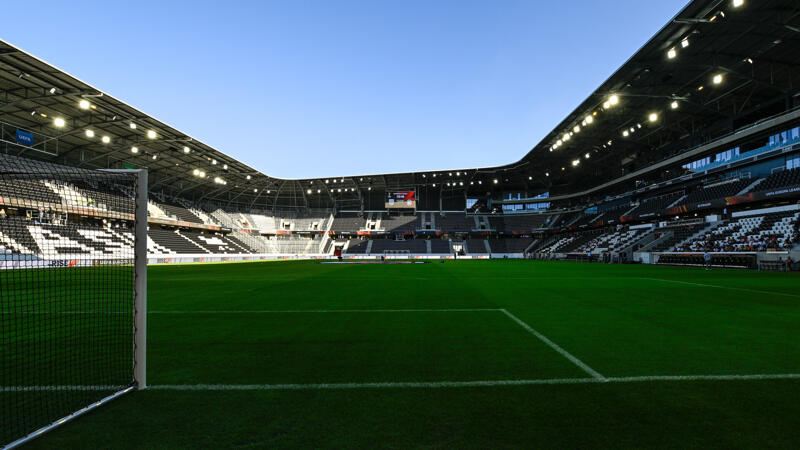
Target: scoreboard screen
(401, 199)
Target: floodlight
(135, 149)
(186, 150)
(151, 134)
(59, 122)
(674, 105)
(653, 117)
(133, 126)
(671, 54)
(718, 78)
(105, 139)
(84, 104)
(89, 133)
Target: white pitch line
(414, 384)
(300, 311)
(731, 288)
(555, 347)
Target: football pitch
(501, 353)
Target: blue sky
(324, 88)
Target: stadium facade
(692, 146)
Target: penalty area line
(583, 366)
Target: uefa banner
(401, 199)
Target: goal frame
(140, 312)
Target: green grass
(622, 321)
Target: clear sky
(323, 88)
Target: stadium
(631, 281)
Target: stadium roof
(716, 67)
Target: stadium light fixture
(423, 175)
(547, 174)
(674, 105)
(308, 191)
(106, 139)
(558, 142)
(450, 174)
(225, 167)
(495, 181)
(672, 53)
(434, 184)
(480, 181)
(134, 149)
(576, 162)
(701, 88)
(606, 105)
(638, 125)
(155, 157)
(577, 129)
(369, 188)
(530, 178)
(566, 137)
(90, 133)
(132, 125)
(268, 191)
(587, 156)
(59, 122)
(738, 3)
(434, 175)
(589, 119)
(685, 43)
(84, 104)
(255, 189)
(614, 100)
(342, 180)
(52, 90)
(186, 150)
(151, 134)
(625, 133)
(248, 177)
(460, 183)
(653, 117)
(319, 191)
(195, 172)
(718, 78)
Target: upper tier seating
(727, 189)
(656, 205)
(399, 223)
(784, 178)
(348, 222)
(453, 221)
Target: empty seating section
(656, 205)
(726, 189)
(452, 222)
(174, 242)
(379, 246)
(211, 243)
(180, 213)
(679, 235)
(357, 246)
(610, 240)
(476, 246)
(523, 223)
(30, 190)
(399, 223)
(510, 245)
(348, 222)
(784, 178)
(440, 246)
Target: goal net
(72, 289)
